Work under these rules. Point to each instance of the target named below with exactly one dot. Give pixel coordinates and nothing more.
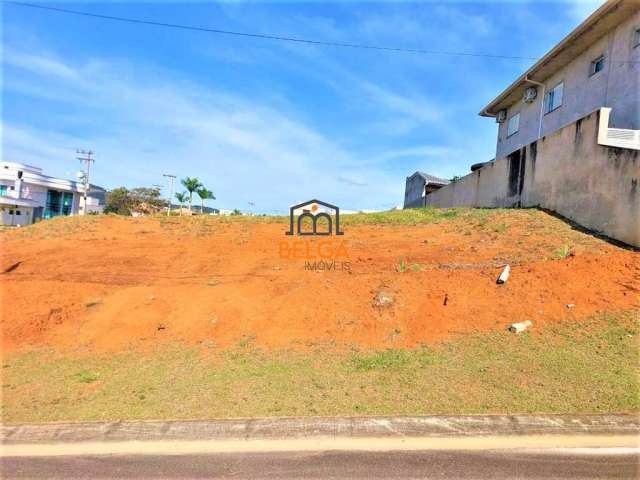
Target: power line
(266, 36)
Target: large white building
(27, 195)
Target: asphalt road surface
(487, 464)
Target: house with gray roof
(418, 186)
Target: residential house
(418, 186)
(27, 195)
(569, 132)
(596, 65)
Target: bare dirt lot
(113, 284)
(107, 318)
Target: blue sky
(263, 121)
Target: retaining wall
(567, 172)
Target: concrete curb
(310, 427)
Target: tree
(236, 212)
(191, 184)
(181, 197)
(146, 199)
(204, 194)
(142, 199)
(118, 201)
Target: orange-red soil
(116, 283)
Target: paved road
(488, 464)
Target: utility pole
(171, 179)
(85, 177)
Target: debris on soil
(383, 300)
(520, 326)
(504, 276)
(12, 267)
(446, 300)
(571, 305)
(93, 303)
(161, 326)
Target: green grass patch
(394, 359)
(55, 227)
(402, 266)
(404, 217)
(500, 228)
(85, 377)
(582, 366)
(411, 216)
(387, 359)
(563, 252)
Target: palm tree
(181, 197)
(191, 184)
(204, 194)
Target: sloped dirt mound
(120, 283)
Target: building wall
(93, 204)
(617, 86)
(36, 193)
(16, 215)
(413, 189)
(567, 172)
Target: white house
(27, 195)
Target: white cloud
(272, 149)
(412, 107)
(40, 65)
(152, 123)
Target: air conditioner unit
(530, 95)
(501, 116)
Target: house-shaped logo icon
(314, 210)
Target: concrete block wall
(567, 172)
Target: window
(553, 99)
(597, 65)
(3, 189)
(17, 212)
(513, 125)
(636, 37)
(58, 203)
(54, 204)
(67, 200)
